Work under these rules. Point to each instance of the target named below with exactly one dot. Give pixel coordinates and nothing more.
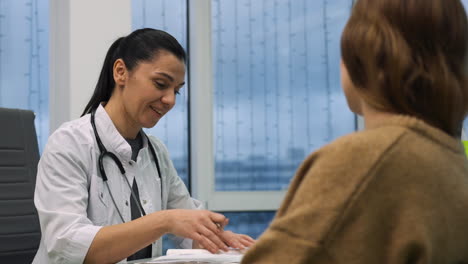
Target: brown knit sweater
(397, 193)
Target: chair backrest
(19, 224)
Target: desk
(142, 261)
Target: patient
(396, 192)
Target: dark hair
(409, 57)
(140, 45)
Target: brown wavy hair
(409, 57)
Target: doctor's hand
(238, 241)
(202, 226)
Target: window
(24, 63)
(172, 129)
(277, 88)
(229, 68)
(251, 223)
(465, 125)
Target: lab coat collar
(110, 136)
(144, 159)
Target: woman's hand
(202, 226)
(238, 241)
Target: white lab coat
(72, 200)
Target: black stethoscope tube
(104, 153)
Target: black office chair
(19, 224)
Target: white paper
(199, 255)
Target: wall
(81, 31)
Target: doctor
(106, 191)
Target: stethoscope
(104, 153)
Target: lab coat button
(144, 201)
(126, 203)
(102, 195)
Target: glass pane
(465, 126)
(249, 223)
(172, 129)
(277, 87)
(24, 60)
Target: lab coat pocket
(103, 193)
(98, 201)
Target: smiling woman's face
(150, 89)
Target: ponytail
(105, 85)
(141, 45)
